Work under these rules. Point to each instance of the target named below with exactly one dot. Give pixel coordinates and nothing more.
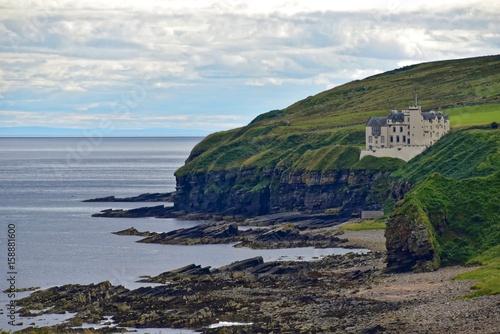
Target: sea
(48, 237)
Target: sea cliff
(250, 192)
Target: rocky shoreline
(352, 293)
(272, 296)
(336, 294)
(284, 236)
(147, 197)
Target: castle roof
(396, 117)
(377, 121)
(430, 116)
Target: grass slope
(474, 115)
(367, 225)
(488, 276)
(460, 154)
(456, 192)
(325, 131)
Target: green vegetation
(488, 275)
(463, 214)
(366, 225)
(460, 154)
(474, 115)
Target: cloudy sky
(212, 65)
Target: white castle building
(404, 134)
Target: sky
(200, 66)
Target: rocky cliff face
(410, 241)
(254, 192)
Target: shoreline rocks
(147, 197)
(284, 236)
(270, 295)
(159, 211)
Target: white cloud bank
(154, 59)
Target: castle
(404, 134)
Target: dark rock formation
(284, 236)
(208, 233)
(256, 192)
(156, 197)
(132, 231)
(244, 264)
(410, 242)
(159, 211)
(309, 297)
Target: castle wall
(405, 153)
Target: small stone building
(404, 134)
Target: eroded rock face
(256, 192)
(409, 245)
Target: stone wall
(405, 153)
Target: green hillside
(331, 124)
(455, 199)
(463, 153)
(457, 184)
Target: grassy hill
(330, 125)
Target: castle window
(400, 129)
(394, 129)
(408, 141)
(370, 139)
(404, 139)
(382, 139)
(397, 139)
(392, 139)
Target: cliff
(251, 192)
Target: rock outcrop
(159, 211)
(147, 197)
(288, 235)
(252, 192)
(410, 241)
(209, 233)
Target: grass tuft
(367, 225)
(488, 275)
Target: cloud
(133, 121)
(217, 57)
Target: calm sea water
(42, 184)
